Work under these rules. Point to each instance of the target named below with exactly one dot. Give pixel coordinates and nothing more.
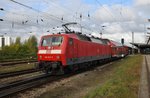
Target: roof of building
(141, 45)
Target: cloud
(142, 7)
(141, 2)
(120, 20)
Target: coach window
(43, 43)
(70, 41)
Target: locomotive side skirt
(71, 61)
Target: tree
(32, 44)
(20, 50)
(18, 41)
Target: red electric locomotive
(60, 53)
(66, 51)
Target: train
(66, 52)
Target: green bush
(18, 50)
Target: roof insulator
(80, 15)
(26, 21)
(1, 9)
(88, 15)
(42, 20)
(37, 21)
(1, 20)
(62, 18)
(22, 22)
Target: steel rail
(17, 86)
(16, 62)
(20, 85)
(10, 74)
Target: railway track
(11, 88)
(10, 74)
(16, 62)
(17, 86)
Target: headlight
(58, 57)
(40, 57)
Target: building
(142, 48)
(4, 41)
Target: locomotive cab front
(51, 52)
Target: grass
(18, 67)
(124, 82)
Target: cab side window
(70, 41)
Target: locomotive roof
(113, 43)
(61, 34)
(81, 37)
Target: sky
(115, 19)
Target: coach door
(75, 46)
(73, 49)
(70, 48)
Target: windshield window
(52, 41)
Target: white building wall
(0, 41)
(7, 41)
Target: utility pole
(148, 28)
(81, 21)
(132, 42)
(100, 34)
(102, 29)
(148, 36)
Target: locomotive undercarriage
(51, 67)
(56, 68)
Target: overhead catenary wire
(58, 19)
(78, 16)
(72, 12)
(29, 7)
(108, 11)
(25, 21)
(34, 9)
(53, 17)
